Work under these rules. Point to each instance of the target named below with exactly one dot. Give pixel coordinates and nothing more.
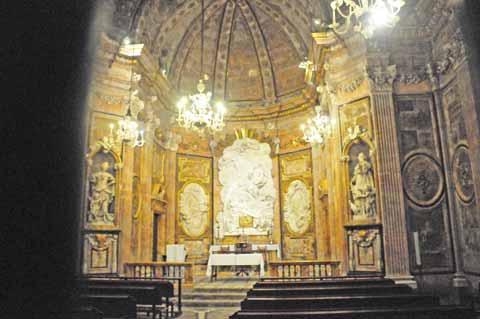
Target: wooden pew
(149, 292)
(278, 284)
(328, 291)
(111, 305)
(438, 312)
(342, 298)
(304, 303)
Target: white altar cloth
(267, 247)
(254, 259)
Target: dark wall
(42, 130)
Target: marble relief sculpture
(194, 209)
(297, 207)
(245, 173)
(102, 193)
(362, 189)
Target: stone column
(390, 188)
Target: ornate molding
(453, 53)
(382, 77)
(351, 86)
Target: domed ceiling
(252, 48)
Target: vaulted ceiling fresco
(252, 47)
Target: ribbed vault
(252, 47)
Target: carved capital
(382, 77)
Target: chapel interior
(236, 147)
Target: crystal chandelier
(127, 130)
(317, 129)
(198, 114)
(365, 15)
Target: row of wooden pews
(122, 297)
(343, 298)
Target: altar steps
(219, 294)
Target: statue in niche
(362, 188)
(101, 195)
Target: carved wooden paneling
(423, 176)
(297, 210)
(100, 253)
(194, 205)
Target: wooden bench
(347, 298)
(327, 291)
(438, 312)
(278, 284)
(331, 302)
(156, 293)
(111, 305)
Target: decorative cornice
(454, 52)
(351, 86)
(382, 77)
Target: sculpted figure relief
(194, 209)
(362, 188)
(297, 207)
(245, 173)
(101, 196)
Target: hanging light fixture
(316, 130)
(127, 129)
(196, 112)
(365, 15)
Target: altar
(255, 247)
(233, 259)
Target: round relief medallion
(462, 174)
(194, 210)
(422, 180)
(298, 207)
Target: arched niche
(360, 170)
(102, 186)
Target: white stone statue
(194, 209)
(101, 196)
(362, 188)
(298, 207)
(245, 173)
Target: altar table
(256, 247)
(255, 259)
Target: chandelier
(317, 129)
(365, 15)
(196, 112)
(127, 130)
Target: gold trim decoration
(192, 169)
(294, 161)
(245, 133)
